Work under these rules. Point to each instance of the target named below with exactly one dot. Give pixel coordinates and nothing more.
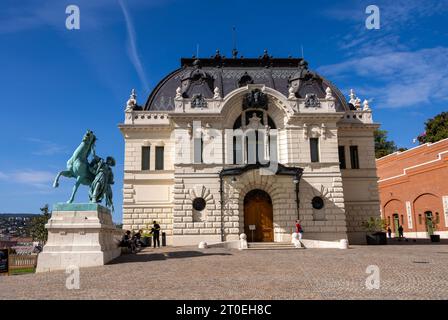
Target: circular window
(318, 203)
(199, 204)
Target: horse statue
(78, 166)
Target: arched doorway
(396, 224)
(429, 223)
(258, 212)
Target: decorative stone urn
(203, 245)
(243, 242)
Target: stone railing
(324, 106)
(210, 106)
(147, 117)
(358, 116)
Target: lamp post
(296, 182)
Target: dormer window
(245, 80)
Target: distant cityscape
(14, 225)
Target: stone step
(257, 244)
(273, 248)
(270, 246)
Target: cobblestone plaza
(406, 272)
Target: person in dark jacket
(155, 230)
(137, 238)
(400, 232)
(389, 232)
(126, 241)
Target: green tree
(383, 147)
(375, 224)
(37, 225)
(435, 129)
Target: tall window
(341, 150)
(252, 144)
(354, 157)
(198, 149)
(146, 152)
(314, 149)
(159, 158)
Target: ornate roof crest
(198, 101)
(311, 101)
(255, 99)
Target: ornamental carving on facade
(198, 101)
(311, 101)
(256, 100)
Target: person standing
(400, 231)
(389, 232)
(155, 230)
(299, 229)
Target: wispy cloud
(34, 178)
(18, 16)
(45, 147)
(398, 79)
(132, 46)
(395, 16)
(384, 65)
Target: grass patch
(22, 271)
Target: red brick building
(413, 188)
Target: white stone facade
(166, 195)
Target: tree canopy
(435, 129)
(37, 226)
(383, 147)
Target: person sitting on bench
(127, 242)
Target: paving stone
(406, 272)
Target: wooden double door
(258, 212)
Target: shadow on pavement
(149, 256)
(413, 241)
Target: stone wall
(191, 226)
(360, 185)
(142, 217)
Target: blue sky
(55, 83)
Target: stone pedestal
(79, 234)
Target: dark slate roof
(201, 76)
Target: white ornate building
(226, 145)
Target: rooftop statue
(97, 174)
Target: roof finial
(329, 94)
(132, 102)
(234, 50)
(354, 100)
(366, 105)
(352, 97)
(216, 93)
(178, 93)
